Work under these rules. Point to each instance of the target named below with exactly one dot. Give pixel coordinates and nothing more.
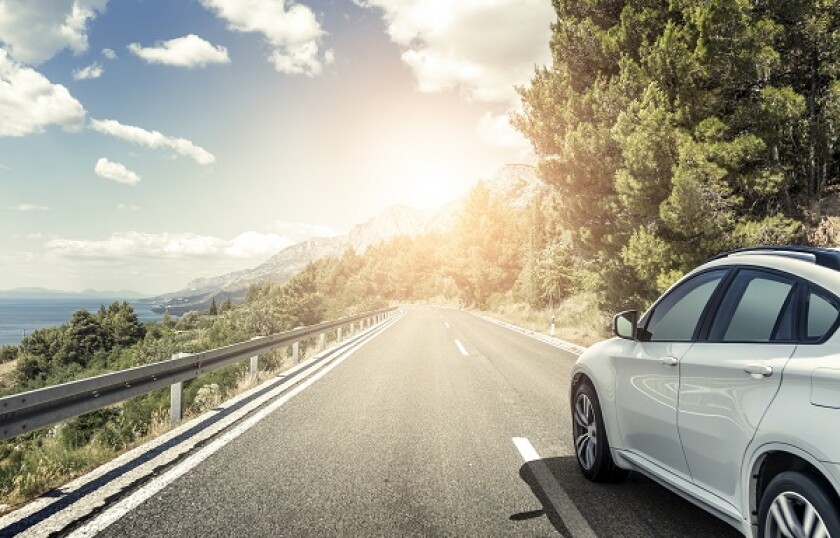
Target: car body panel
(646, 392)
(602, 375)
(684, 488)
(793, 419)
(721, 406)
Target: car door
(728, 380)
(647, 376)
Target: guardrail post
(295, 352)
(322, 342)
(176, 411)
(176, 393)
(338, 334)
(255, 368)
(255, 365)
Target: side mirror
(624, 324)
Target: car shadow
(635, 507)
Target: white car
(726, 391)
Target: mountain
(394, 221)
(516, 184)
(43, 293)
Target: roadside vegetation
(675, 130)
(113, 339)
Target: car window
(757, 307)
(822, 314)
(675, 317)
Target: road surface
(413, 435)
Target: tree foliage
(674, 130)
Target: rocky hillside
(516, 184)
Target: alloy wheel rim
(586, 432)
(792, 516)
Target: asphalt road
(411, 437)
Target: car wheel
(794, 504)
(590, 438)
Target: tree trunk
(812, 122)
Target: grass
(577, 319)
(7, 374)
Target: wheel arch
(773, 459)
(603, 381)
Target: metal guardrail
(27, 411)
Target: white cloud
(32, 207)
(496, 131)
(29, 101)
(109, 54)
(291, 29)
(482, 47)
(121, 245)
(187, 51)
(128, 207)
(153, 139)
(35, 30)
(301, 231)
(115, 171)
(256, 244)
(93, 70)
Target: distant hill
(43, 293)
(516, 184)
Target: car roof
(826, 257)
(819, 267)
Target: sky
(145, 143)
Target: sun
(431, 190)
(428, 183)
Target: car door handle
(669, 361)
(759, 369)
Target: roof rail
(824, 257)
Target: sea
(19, 317)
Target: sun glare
(429, 186)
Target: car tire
(589, 437)
(788, 500)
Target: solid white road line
(559, 499)
(461, 348)
(97, 498)
(127, 504)
(550, 340)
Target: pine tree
(672, 131)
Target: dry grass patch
(7, 374)
(577, 319)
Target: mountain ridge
(516, 184)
